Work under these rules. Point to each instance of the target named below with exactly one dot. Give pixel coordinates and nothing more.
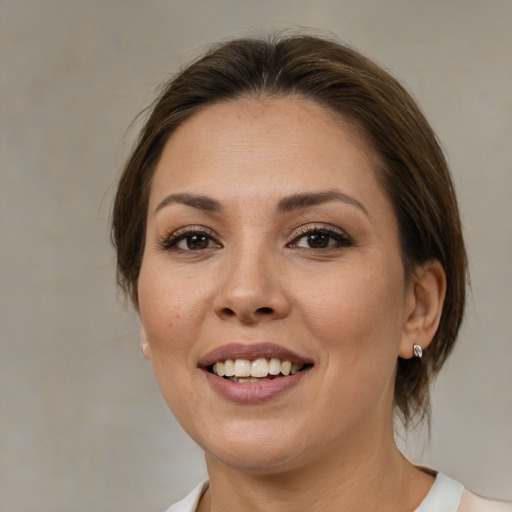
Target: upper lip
(251, 351)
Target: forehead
(287, 118)
(262, 145)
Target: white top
(446, 495)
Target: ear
(424, 305)
(144, 345)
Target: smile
(253, 373)
(258, 370)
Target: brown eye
(195, 242)
(318, 240)
(321, 238)
(191, 239)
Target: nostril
(247, 314)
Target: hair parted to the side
(412, 170)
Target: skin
(327, 444)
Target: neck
(366, 472)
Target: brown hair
(413, 169)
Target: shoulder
(190, 502)
(471, 502)
(444, 493)
(448, 495)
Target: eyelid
(169, 240)
(323, 228)
(318, 226)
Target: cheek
(168, 304)
(355, 323)
(357, 314)
(170, 320)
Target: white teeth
(220, 369)
(274, 367)
(244, 370)
(259, 368)
(286, 366)
(229, 368)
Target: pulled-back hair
(413, 170)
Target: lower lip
(253, 392)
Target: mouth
(254, 363)
(261, 369)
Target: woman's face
(269, 239)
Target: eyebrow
(196, 201)
(285, 205)
(308, 199)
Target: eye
(194, 242)
(190, 239)
(321, 237)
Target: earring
(417, 350)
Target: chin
(256, 461)
(258, 451)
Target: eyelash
(171, 241)
(340, 238)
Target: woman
(288, 232)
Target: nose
(251, 288)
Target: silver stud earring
(417, 350)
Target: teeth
(247, 379)
(286, 366)
(274, 367)
(244, 370)
(229, 368)
(295, 368)
(259, 368)
(220, 369)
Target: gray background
(82, 424)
